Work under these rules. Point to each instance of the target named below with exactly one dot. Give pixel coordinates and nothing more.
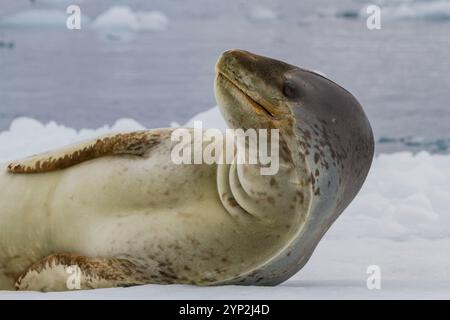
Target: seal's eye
(290, 91)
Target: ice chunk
(124, 18)
(39, 18)
(119, 17)
(152, 20)
(260, 13)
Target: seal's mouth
(258, 107)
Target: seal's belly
(165, 215)
(147, 209)
(24, 213)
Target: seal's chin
(243, 96)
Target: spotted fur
(50, 273)
(134, 143)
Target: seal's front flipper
(133, 143)
(62, 272)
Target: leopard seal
(116, 211)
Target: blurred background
(153, 61)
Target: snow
(404, 196)
(211, 119)
(400, 221)
(16, 142)
(292, 290)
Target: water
(400, 73)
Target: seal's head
(324, 135)
(249, 89)
(326, 122)
(326, 148)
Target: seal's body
(167, 219)
(116, 211)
